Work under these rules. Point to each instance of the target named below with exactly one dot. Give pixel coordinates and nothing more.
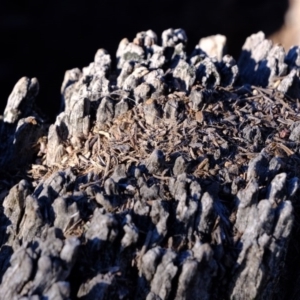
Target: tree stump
(173, 176)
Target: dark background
(45, 38)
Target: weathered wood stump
(172, 177)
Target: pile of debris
(171, 177)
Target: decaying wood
(174, 177)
